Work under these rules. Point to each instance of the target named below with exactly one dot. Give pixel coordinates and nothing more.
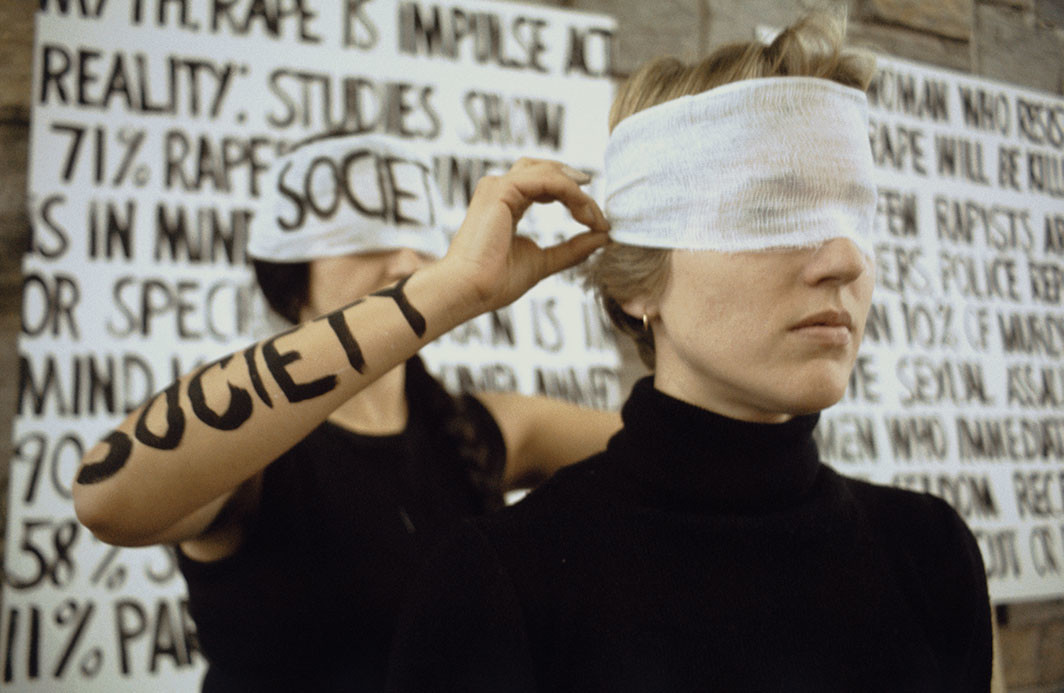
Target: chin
(814, 405)
(816, 396)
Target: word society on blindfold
(385, 187)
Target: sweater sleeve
(973, 608)
(940, 570)
(461, 627)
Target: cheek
(713, 307)
(715, 329)
(863, 292)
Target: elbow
(101, 505)
(91, 512)
(99, 512)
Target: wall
(1016, 41)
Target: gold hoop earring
(646, 323)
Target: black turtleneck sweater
(700, 553)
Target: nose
(837, 261)
(405, 261)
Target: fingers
(500, 266)
(541, 180)
(573, 251)
(579, 177)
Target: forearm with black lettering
(201, 437)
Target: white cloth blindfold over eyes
(779, 162)
(348, 194)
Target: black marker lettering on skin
(175, 422)
(117, 455)
(295, 392)
(238, 411)
(256, 381)
(413, 318)
(347, 340)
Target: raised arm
(166, 471)
(543, 435)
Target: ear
(639, 306)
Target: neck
(685, 454)
(379, 409)
(720, 401)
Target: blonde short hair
(811, 47)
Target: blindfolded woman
(709, 548)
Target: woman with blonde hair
(708, 548)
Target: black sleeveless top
(310, 599)
(701, 553)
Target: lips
(831, 329)
(827, 318)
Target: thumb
(571, 252)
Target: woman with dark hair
(708, 548)
(304, 478)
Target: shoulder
(931, 547)
(938, 567)
(472, 408)
(459, 428)
(918, 518)
(462, 416)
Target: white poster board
(152, 124)
(959, 386)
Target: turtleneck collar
(680, 453)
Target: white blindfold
(348, 194)
(779, 162)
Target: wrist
(446, 288)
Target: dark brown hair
(286, 286)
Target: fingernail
(578, 176)
(602, 222)
(590, 214)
